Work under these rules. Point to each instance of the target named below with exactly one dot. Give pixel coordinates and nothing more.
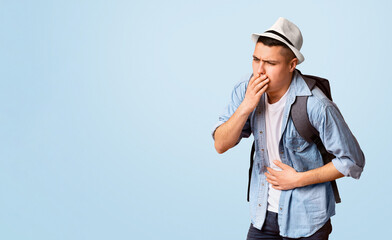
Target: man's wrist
(300, 179)
(244, 110)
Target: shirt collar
(299, 86)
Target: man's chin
(270, 90)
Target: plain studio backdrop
(107, 108)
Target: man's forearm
(288, 178)
(227, 134)
(322, 174)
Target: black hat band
(280, 35)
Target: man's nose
(260, 69)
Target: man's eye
(255, 59)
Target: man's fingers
(277, 187)
(262, 90)
(257, 80)
(273, 182)
(253, 79)
(252, 97)
(281, 165)
(269, 176)
(272, 171)
(261, 84)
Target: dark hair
(270, 42)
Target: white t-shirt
(273, 124)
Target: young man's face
(270, 61)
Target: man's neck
(275, 97)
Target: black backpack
(301, 122)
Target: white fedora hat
(286, 32)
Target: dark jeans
(270, 230)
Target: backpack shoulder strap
(299, 115)
(252, 152)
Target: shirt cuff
(347, 167)
(215, 127)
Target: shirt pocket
(303, 155)
(296, 144)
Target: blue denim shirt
(304, 210)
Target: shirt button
(262, 149)
(259, 204)
(262, 184)
(261, 132)
(280, 208)
(281, 152)
(259, 112)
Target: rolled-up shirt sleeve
(237, 96)
(339, 140)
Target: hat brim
(297, 53)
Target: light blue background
(107, 107)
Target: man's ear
(293, 64)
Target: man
(290, 192)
